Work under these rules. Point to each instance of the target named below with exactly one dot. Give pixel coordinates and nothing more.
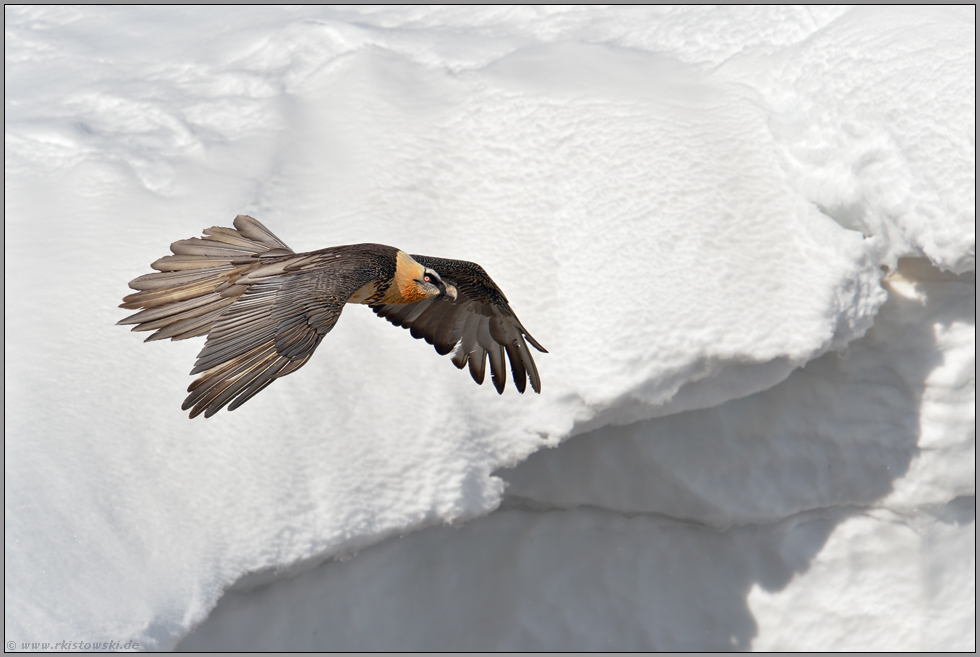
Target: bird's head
(432, 285)
(414, 282)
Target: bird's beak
(451, 292)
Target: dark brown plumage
(265, 309)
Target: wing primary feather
(478, 365)
(212, 384)
(532, 370)
(517, 367)
(194, 333)
(497, 372)
(214, 376)
(450, 329)
(483, 337)
(533, 342)
(251, 381)
(506, 334)
(248, 394)
(230, 349)
(467, 340)
(223, 379)
(186, 328)
(498, 330)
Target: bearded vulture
(265, 308)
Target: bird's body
(265, 309)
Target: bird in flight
(265, 309)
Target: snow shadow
(648, 536)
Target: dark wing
(270, 331)
(480, 322)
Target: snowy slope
(854, 527)
(685, 206)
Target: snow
(590, 579)
(753, 437)
(807, 443)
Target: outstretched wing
(270, 331)
(264, 308)
(478, 325)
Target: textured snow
(757, 441)
(589, 579)
(856, 526)
(810, 442)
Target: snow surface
(769, 445)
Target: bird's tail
(192, 288)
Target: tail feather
(232, 237)
(154, 298)
(170, 279)
(209, 247)
(208, 307)
(193, 287)
(252, 229)
(183, 262)
(153, 314)
(188, 328)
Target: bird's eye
(427, 278)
